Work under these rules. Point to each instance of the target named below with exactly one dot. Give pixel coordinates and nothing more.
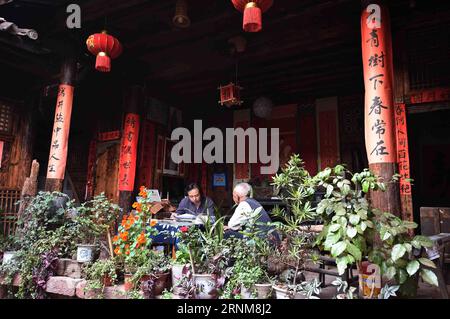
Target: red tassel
(252, 19)
(103, 63)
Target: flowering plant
(135, 232)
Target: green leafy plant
(296, 188)
(181, 255)
(95, 218)
(388, 292)
(354, 230)
(98, 273)
(157, 263)
(344, 291)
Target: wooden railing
(8, 210)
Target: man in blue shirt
(195, 203)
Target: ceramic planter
(264, 291)
(8, 256)
(205, 286)
(85, 253)
(247, 293)
(177, 274)
(282, 293)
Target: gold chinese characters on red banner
(128, 152)
(378, 80)
(60, 138)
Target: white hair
(243, 189)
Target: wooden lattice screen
(8, 210)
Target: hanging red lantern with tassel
(105, 47)
(253, 10)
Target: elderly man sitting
(247, 211)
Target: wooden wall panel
(107, 171)
(17, 152)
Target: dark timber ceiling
(307, 47)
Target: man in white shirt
(248, 210)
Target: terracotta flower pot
(128, 285)
(160, 282)
(107, 281)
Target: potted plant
(179, 265)
(134, 238)
(296, 188)
(248, 278)
(8, 249)
(96, 218)
(355, 232)
(99, 275)
(209, 257)
(254, 282)
(153, 276)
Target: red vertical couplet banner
(147, 155)
(402, 149)
(128, 152)
(2, 143)
(60, 138)
(378, 80)
(242, 170)
(92, 156)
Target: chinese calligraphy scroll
(379, 103)
(92, 156)
(60, 138)
(147, 155)
(378, 79)
(403, 161)
(128, 152)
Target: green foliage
(342, 288)
(181, 255)
(51, 223)
(95, 274)
(95, 217)
(156, 263)
(353, 230)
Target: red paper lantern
(253, 10)
(105, 47)
(230, 95)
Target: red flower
(184, 229)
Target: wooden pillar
(379, 102)
(61, 127)
(129, 146)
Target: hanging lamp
(105, 47)
(181, 18)
(253, 10)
